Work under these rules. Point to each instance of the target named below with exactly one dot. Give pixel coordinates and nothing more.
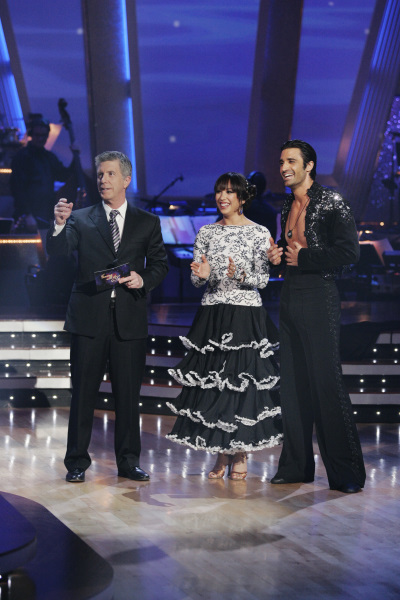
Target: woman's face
(227, 201)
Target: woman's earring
(241, 210)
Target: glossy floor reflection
(182, 536)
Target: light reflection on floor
(228, 539)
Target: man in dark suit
(108, 325)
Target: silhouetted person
(261, 211)
(34, 172)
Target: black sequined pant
(312, 388)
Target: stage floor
(184, 537)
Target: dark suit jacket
(88, 232)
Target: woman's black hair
(238, 183)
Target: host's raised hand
(62, 210)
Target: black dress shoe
(349, 488)
(282, 480)
(75, 476)
(135, 473)
(279, 480)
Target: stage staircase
(35, 370)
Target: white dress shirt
(120, 217)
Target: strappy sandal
(239, 457)
(218, 470)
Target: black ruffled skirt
(229, 400)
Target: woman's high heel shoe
(238, 458)
(218, 470)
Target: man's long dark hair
(307, 151)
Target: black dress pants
(88, 364)
(312, 387)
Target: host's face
(111, 183)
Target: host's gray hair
(124, 163)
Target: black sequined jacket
(330, 231)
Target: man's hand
(274, 252)
(292, 254)
(202, 269)
(62, 211)
(133, 281)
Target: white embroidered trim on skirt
(214, 379)
(197, 417)
(234, 446)
(267, 349)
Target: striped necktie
(115, 229)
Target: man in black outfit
(319, 237)
(34, 171)
(108, 325)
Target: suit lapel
(130, 225)
(99, 218)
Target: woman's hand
(202, 269)
(274, 253)
(231, 268)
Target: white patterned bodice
(247, 245)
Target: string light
(21, 241)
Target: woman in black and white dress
(229, 403)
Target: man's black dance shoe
(348, 488)
(75, 476)
(282, 480)
(135, 473)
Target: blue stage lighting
(129, 99)
(12, 105)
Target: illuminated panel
(129, 99)
(8, 89)
(332, 42)
(377, 97)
